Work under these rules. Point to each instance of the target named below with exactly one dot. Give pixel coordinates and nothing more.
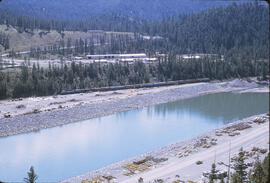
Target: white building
(112, 58)
(197, 56)
(117, 56)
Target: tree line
(240, 16)
(38, 81)
(57, 9)
(243, 172)
(237, 32)
(216, 30)
(110, 22)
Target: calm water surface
(67, 151)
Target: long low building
(128, 58)
(197, 56)
(118, 56)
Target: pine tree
(69, 46)
(235, 178)
(3, 90)
(257, 173)
(32, 177)
(140, 180)
(213, 174)
(222, 180)
(265, 165)
(240, 167)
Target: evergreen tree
(140, 180)
(222, 180)
(213, 174)
(3, 90)
(257, 172)
(265, 165)
(240, 167)
(32, 177)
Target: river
(67, 151)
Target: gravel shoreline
(37, 121)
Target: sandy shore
(35, 113)
(177, 162)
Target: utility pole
(215, 156)
(229, 165)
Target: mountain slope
(79, 9)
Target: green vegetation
(216, 30)
(39, 81)
(64, 9)
(32, 177)
(140, 180)
(258, 173)
(213, 174)
(240, 167)
(237, 34)
(4, 41)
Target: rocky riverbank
(33, 114)
(188, 160)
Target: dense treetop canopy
(80, 9)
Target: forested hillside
(211, 31)
(238, 32)
(80, 9)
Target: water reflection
(74, 149)
(227, 106)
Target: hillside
(57, 9)
(24, 41)
(240, 26)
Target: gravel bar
(37, 121)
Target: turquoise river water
(63, 152)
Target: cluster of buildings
(142, 57)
